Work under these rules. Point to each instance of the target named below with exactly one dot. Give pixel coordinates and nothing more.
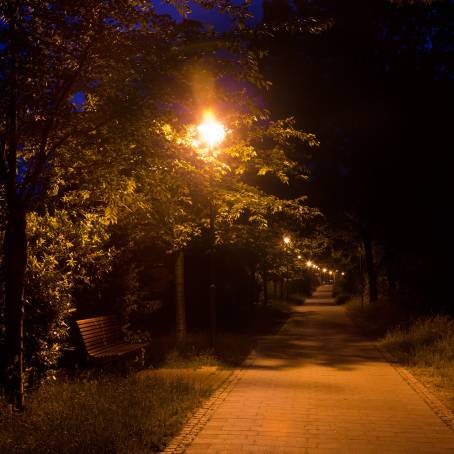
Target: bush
(63, 253)
(342, 290)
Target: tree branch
(62, 93)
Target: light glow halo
(210, 130)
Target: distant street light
(212, 133)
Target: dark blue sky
(220, 21)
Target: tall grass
(108, 415)
(426, 343)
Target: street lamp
(212, 133)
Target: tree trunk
(265, 286)
(15, 263)
(287, 281)
(361, 279)
(255, 286)
(179, 298)
(14, 242)
(370, 268)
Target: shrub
(63, 252)
(377, 318)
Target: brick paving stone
(319, 387)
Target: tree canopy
(99, 160)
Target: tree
(70, 72)
(77, 78)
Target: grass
(427, 348)
(424, 345)
(136, 414)
(231, 350)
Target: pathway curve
(318, 387)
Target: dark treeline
(377, 88)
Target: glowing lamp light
(299, 256)
(324, 270)
(342, 274)
(287, 240)
(210, 130)
(309, 263)
(330, 272)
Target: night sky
(221, 22)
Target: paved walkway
(319, 387)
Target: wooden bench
(103, 338)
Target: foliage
(233, 178)
(106, 95)
(64, 253)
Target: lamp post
(287, 240)
(211, 133)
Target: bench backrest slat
(100, 332)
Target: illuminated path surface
(319, 387)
